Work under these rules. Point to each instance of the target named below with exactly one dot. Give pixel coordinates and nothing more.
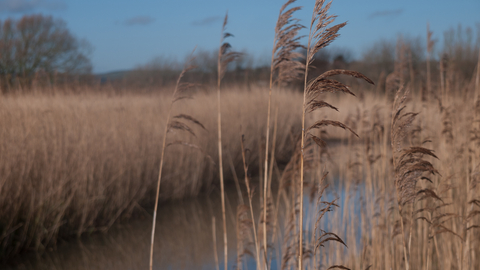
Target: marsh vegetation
(364, 176)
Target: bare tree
(38, 42)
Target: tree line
(458, 52)
(38, 44)
(38, 50)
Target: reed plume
(225, 56)
(409, 164)
(284, 67)
(173, 124)
(320, 36)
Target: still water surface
(183, 240)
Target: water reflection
(183, 241)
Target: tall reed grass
(77, 163)
(404, 185)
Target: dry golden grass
(441, 220)
(408, 187)
(77, 163)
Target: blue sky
(125, 34)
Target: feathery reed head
(182, 89)
(285, 57)
(408, 162)
(225, 53)
(180, 93)
(321, 35)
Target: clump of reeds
(289, 182)
(324, 207)
(472, 222)
(225, 57)
(243, 226)
(430, 44)
(409, 163)
(78, 164)
(250, 204)
(174, 124)
(284, 67)
(436, 216)
(321, 35)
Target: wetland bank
(307, 173)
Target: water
(183, 240)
